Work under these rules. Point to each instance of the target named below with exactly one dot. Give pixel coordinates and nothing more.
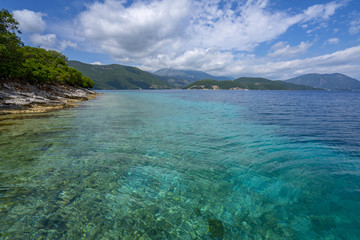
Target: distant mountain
(119, 77)
(176, 82)
(247, 83)
(327, 81)
(182, 78)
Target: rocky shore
(23, 97)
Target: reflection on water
(173, 165)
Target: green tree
(49, 66)
(10, 46)
(35, 65)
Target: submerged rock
(216, 228)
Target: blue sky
(276, 39)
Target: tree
(10, 46)
(34, 65)
(50, 66)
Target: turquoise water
(185, 165)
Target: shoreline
(17, 97)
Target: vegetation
(247, 83)
(35, 65)
(266, 84)
(182, 78)
(10, 45)
(335, 81)
(117, 76)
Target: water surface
(185, 165)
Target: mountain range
(245, 83)
(335, 81)
(117, 76)
(182, 78)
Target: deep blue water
(185, 165)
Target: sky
(276, 39)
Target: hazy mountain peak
(190, 75)
(327, 81)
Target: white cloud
(283, 49)
(241, 29)
(46, 41)
(355, 26)
(345, 61)
(63, 44)
(51, 41)
(323, 11)
(30, 21)
(172, 29)
(211, 60)
(139, 30)
(96, 63)
(332, 41)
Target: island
(246, 83)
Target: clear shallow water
(185, 165)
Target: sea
(185, 164)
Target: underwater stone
(216, 228)
(320, 223)
(197, 212)
(246, 227)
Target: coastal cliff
(23, 97)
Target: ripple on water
(180, 165)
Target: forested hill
(246, 83)
(335, 81)
(182, 78)
(117, 76)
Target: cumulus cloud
(51, 41)
(344, 61)
(46, 41)
(63, 44)
(284, 49)
(33, 24)
(30, 21)
(241, 28)
(323, 11)
(139, 30)
(172, 29)
(210, 60)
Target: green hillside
(246, 83)
(119, 77)
(327, 81)
(187, 75)
(175, 82)
(182, 78)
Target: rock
(216, 228)
(16, 97)
(6, 86)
